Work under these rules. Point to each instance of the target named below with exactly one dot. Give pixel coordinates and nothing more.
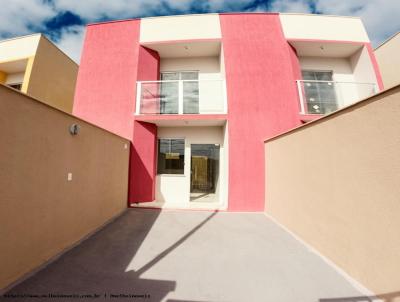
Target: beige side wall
(320, 27)
(53, 77)
(335, 183)
(41, 213)
(388, 59)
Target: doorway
(204, 172)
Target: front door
(204, 169)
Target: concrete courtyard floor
(190, 256)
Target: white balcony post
(180, 97)
(138, 96)
(224, 97)
(301, 97)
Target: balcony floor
(191, 256)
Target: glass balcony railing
(181, 97)
(323, 97)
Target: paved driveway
(189, 256)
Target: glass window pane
(171, 156)
(189, 75)
(168, 76)
(320, 95)
(191, 97)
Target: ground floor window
(171, 156)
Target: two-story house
(197, 95)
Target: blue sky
(63, 21)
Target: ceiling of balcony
(325, 49)
(14, 66)
(209, 48)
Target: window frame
(184, 156)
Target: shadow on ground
(96, 269)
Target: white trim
(138, 97)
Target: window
(17, 86)
(169, 103)
(320, 91)
(171, 156)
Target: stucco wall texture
(52, 76)
(262, 99)
(335, 184)
(41, 212)
(388, 59)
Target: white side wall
(211, 90)
(342, 72)
(18, 48)
(301, 26)
(388, 59)
(189, 27)
(174, 190)
(363, 71)
(15, 78)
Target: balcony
(181, 97)
(323, 97)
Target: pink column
(262, 99)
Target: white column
(180, 97)
(301, 98)
(138, 96)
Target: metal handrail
(141, 86)
(342, 82)
(171, 81)
(301, 92)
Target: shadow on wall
(387, 297)
(140, 180)
(99, 264)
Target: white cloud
(26, 16)
(380, 17)
(71, 41)
(21, 16)
(90, 10)
(291, 6)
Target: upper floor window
(169, 101)
(320, 91)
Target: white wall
(173, 28)
(174, 190)
(342, 72)
(15, 78)
(388, 59)
(18, 48)
(302, 26)
(211, 95)
(364, 72)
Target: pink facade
(261, 69)
(107, 76)
(262, 100)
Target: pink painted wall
(144, 142)
(262, 99)
(143, 163)
(105, 90)
(112, 61)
